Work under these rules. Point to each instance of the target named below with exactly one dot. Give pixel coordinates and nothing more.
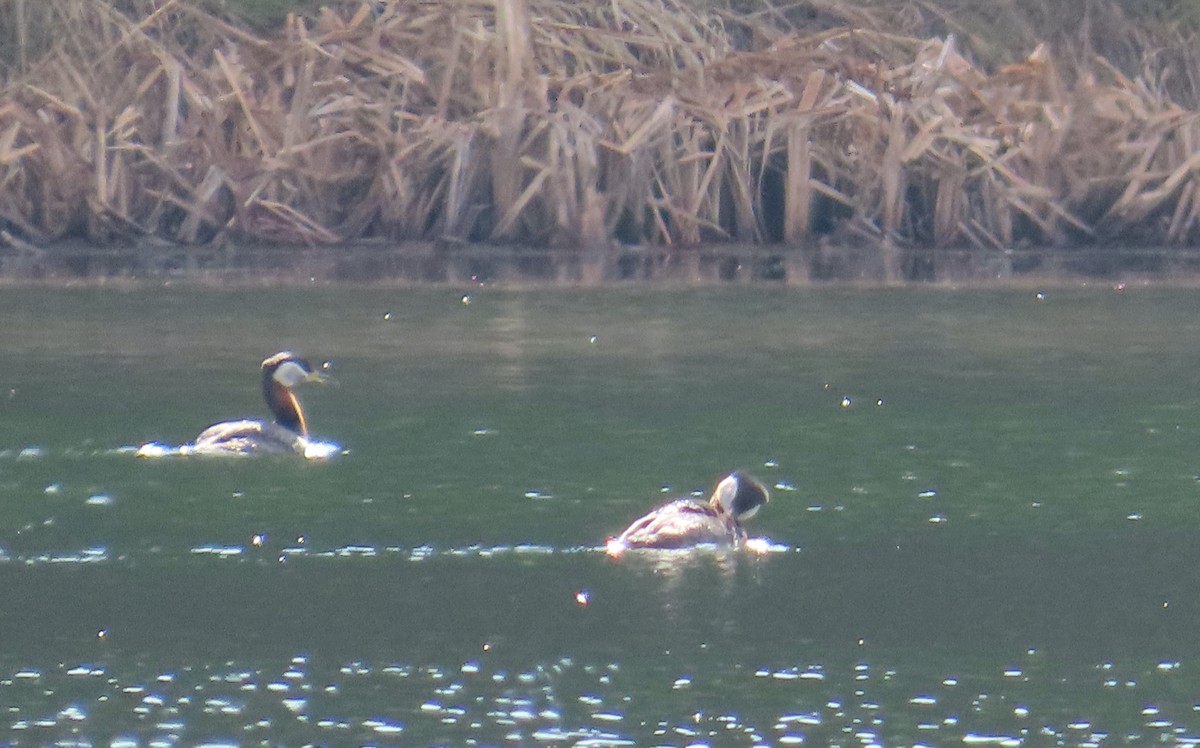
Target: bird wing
(246, 437)
(681, 523)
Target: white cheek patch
(725, 492)
(290, 374)
(749, 512)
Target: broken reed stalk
(569, 122)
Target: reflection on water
(982, 526)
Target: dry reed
(574, 123)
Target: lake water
(983, 526)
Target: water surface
(983, 519)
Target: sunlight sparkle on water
(319, 450)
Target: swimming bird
(287, 433)
(684, 523)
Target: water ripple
(313, 450)
(256, 549)
(562, 701)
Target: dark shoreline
(420, 263)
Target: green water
(983, 523)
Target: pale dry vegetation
(576, 123)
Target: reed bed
(577, 124)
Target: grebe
(287, 433)
(686, 522)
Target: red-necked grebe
(287, 433)
(684, 523)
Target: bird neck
(284, 406)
